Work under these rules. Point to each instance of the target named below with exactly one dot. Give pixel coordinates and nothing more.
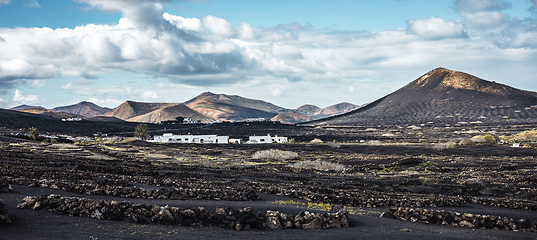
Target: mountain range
(206, 107)
(443, 95)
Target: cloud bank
(209, 51)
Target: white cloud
(436, 28)
(33, 4)
(482, 13)
(118, 5)
(275, 90)
(526, 39)
(473, 6)
(210, 52)
(246, 31)
(15, 69)
(78, 84)
(147, 95)
(20, 98)
(217, 26)
(192, 24)
(483, 19)
(108, 101)
(5, 2)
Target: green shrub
(141, 131)
(490, 139)
(33, 133)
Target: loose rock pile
(460, 219)
(4, 218)
(237, 219)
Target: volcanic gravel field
(398, 186)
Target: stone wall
(460, 219)
(237, 219)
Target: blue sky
(294, 52)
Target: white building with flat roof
(266, 139)
(170, 138)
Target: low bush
(442, 146)
(275, 154)
(375, 142)
(318, 165)
(334, 144)
(466, 142)
(484, 139)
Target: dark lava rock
(4, 186)
(236, 219)
(460, 219)
(4, 217)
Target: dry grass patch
(318, 165)
(275, 154)
(526, 136)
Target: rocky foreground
(237, 219)
(460, 219)
(491, 189)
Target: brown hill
(21, 107)
(46, 112)
(170, 113)
(443, 95)
(307, 109)
(232, 107)
(86, 109)
(154, 112)
(291, 118)
(335, 109)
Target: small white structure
(235, 141)
(170, 138)
(73, 119)
(188, 121)
(516, 145)
(266, 139)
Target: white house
(266, 139)
(235, 141)
(170, 138)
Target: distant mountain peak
(24, 106)
(443, 79)
(437, 96)
(85, 108)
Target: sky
(287, 52)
